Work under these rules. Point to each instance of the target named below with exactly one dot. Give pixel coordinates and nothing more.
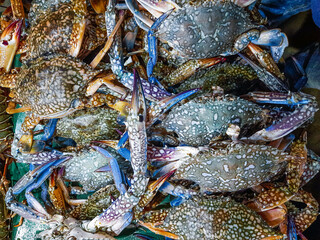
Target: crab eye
(141, 118)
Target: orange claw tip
(122, 107)
(110, 143)
(207, 62)
(99, 6)
(158, 183)
(159, 231)
(14, 26)
(273, 237)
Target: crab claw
(99, 6)
(274, 38)
(158, 108)
(119, 213)
(137, 104)
(152, 46)
(29, 177)
(306, 108)
(9, 42)
(156, 154)
(272, 82)
(33, 179)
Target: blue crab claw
(158, 108)
(33, 175)
(23, 210)
(134, 8)
(275, 39)
(164, 155)
(152, 46)
(9, 42)
(117, 145)
(138, 103)
(289, 99)
(117, 215)
(49, 129)
(33, 179)
(117, 175)
(315, 7)
(179, 192)
(287, 124)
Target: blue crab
(206, 118)
(214, 28)
(230, 167)
(209, 218)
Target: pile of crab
(197, 136)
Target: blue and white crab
(208, 117)
(213, 28)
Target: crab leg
(272, 82)
(265, 60)
(156, 218)
(189, 68)
(23, 210)
(26, 140)
(56, 195)
(76, 38)
(29, 181)
(29, 177)
(17, 9)
(107, 80)
(138, 146)
(65, 192)
(108, 44)
(117, 176)
(151, 92)
(152, 47)
(9, 42)
(134, 9)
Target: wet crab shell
(233, 167)
(90, 124)
(52, 33)
(53, 85)
(215, 218)
(206, 30)
(198, 121)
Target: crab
(90, 124)
(62, 91)
(208, 117)
(275, 194)
(223, 167)
(214, 28)
(62, 27)
(233, 166)
(209, 218)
